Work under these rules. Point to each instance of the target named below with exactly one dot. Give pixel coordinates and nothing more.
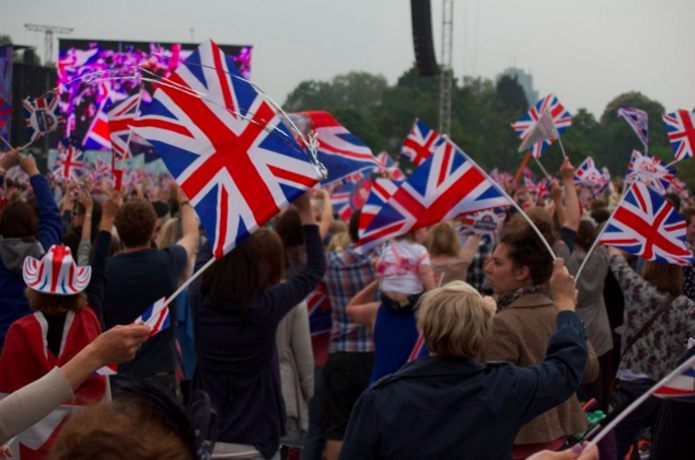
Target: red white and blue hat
(56, 273)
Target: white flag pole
(598, 237)
(7, 143)
(538, 162)
(608, 428)
(189, 281)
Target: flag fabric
(5, 113)
(392, 169)
(419, 349)
(560, 116)
(111, 369)
(120, 116)
(446, 185)
(340, 151)
(381, 191)
(97, 136)
(680, 128)
(650, 170)
(156, 317)
(239, 166)
(68, 165)
(319, 306)
(543, 130)
(645, 224)
(487, 224)
(588, 174)
(42, 116)
(340, 200)
(681, 385)
(420, 143)
(638, 121)
(102, 171)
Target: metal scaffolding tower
(446, 73)
(48, 37)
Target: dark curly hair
(135, 222)
(525, 247)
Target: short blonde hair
(442, 239)
(455, 320)
(339, 242)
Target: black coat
(459, 409)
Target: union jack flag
(319, 306)
(392, 169)
(97, 136)
(486, 223)
(646, 225)
(68, 165)
(588, 174)
(680, 127)
(120, 116)
(341, 152)
(5, 112)
(238, 165)
(156, 317)
(680, 384)
(42, 116)
(650, 170)
(561, 118)
(419, 349)
(420, 143)
(340, 200)
(382, 190)
(446, 185)
(102, 170)
(638, 121)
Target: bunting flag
(645, 224)
(446, 185)
(392, 169)
(588, 174)
(340, 151)
(420, 144)
(680, 128)
(650, 170)
(561, 119)
(230, 153)
(638, 121)
(42, 116)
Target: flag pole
(189, 281)
(519, 171)
(559, 139)
(540, 165)
(608, 428)
(130, 133)
(598, 237)
(6, 143)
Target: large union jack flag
(340, 151)
(69, 164)
(229, 152)
(340, 200)
(561, 118)
(42, 116)
(647, 225)
(420, 143)
(638, 121)
(680, 127)
(382, 190)
(445, 186)
(121, 116)
(650, 170)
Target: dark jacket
(460, 409)
(238, 367)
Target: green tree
(511, 93)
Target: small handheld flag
(42, 116)
(638, 121)
(560, 117)
(156, 317)
(680, 128)
(420, 144)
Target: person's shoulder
(174, 251)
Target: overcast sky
(587, 52)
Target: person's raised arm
(6, 162)
(571, 198)
(85, 246)
(326, 214)
(189, 223)
(556, 196)
(50, 229)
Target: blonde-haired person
(450, 261)
(339, 242)
(449, 405)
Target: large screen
(84, 101)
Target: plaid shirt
(476, 272)
(348, 273)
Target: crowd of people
(439, 345)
